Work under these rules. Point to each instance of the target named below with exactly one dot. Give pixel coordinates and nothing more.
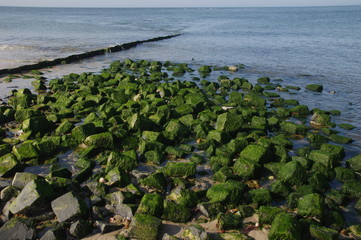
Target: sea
(300, 45)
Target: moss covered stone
(180, 169)
(285, 227)
(352, 188)
(314, 87)
(155, 180)
(228, 192)
(229, 122)
(267, 214)
(175, 212)
(26, 151)
(151, 204)
(255, 153)
(79, 133)
(246, 169)
(355, 163)
(69, 207)
(323, 233)
(144, 227)
(228, 221)
(292, 173)
(116, 159)
(9, 164)
(311, 205)
(260, 197)
(328, 159)
(101, 140)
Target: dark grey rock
(4, 184)
(80, 228)
(17, 229)
(106, 227)
(9, 192)
(54, 234)
(69, 207)
(23, 178)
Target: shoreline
(136, 113)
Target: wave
(15, 47)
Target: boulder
(228, 192)
(17, 228)
(54, 234)
(284, 226)
(180, 169)
(22, 178)
(211, 209)
(117, 177)
(9, 164)
(229, 122)
(121, 161)
(80, 228)
(219, 136)
(69, 207)
(36, 194)
(101, 140)
(255, 153)
(36, 125)
(260, 196)
(155, 180)
(79, 133)
(175, 212)
(319, 232)
(65, 127)
(227, 221)
(8, 193)
(314, 87)
(144, 227)
(328, 159)
(292, 173)
(355, 163)
(246, 169)
(151, 204)
(267, 214)
(26, 151)
(352, 188)
(195, 232)
(311, 205)
(184, 197)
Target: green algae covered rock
(17, 228)
(36, 125)
(228, 221)
(355, 230)
(9, 164)
(219, 136)
(64, 128)
(292, 173)
(184, 197)
(285, 227)
(246, 169)
(323, 233)
(180, 169)
(122, 161)
(340, 139)
(255, 153)
(155, 180)
(101, 140)
(314, 87)
(22, 178)
(144, 227)
(204, 69)
(175, 212)
(151, 204)
(328, 159)
(211, 209)
(228, 192)
(355, 163)
(311, 205)
(195, 232)
(35, 194)
(229, 122)
(344, 174)
(352, 188)
(118, 177)
(26, 151)
(267, 214)
(69, 207)
(280, 189)
(79, 133)
(260, 196)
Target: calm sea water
(300, 45)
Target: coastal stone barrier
(81, 56)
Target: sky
(176, 3)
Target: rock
(211, 209)
(118, 177)
(155, 180)
(175, 130)
(228, 192)
(26, 151)
(144, 227)
(323, 233)
(314, 87)
(64, 128)
(284, 226)
(121, 161)
(80, 228)
(9, 164)
(101, 140)
(22, 178)
(195, 232)
(9, 192)
(229, 122)
(293, 128)
(79, 133)
(126, 210)
(267, 214)
(54, 234)
(328, 159)
(119, 197)
(320, 119)
(292, 173)
(154, 157)
(352, 188)
(227, 221)
(260, 196)
(355, 163)
(311, 205)
(219, 136)
(205, 69)
(36, 125)
(246, 169)
(151, 204)
(69, 207)
(180, 169)
(233, 68)
(264, 80)
(340, 139)
(355, 230)
(36, 194)
(175, 212)
(107, 227)
(17, 228)
(255, 153)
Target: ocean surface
(300, 45)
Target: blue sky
(176, 3)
